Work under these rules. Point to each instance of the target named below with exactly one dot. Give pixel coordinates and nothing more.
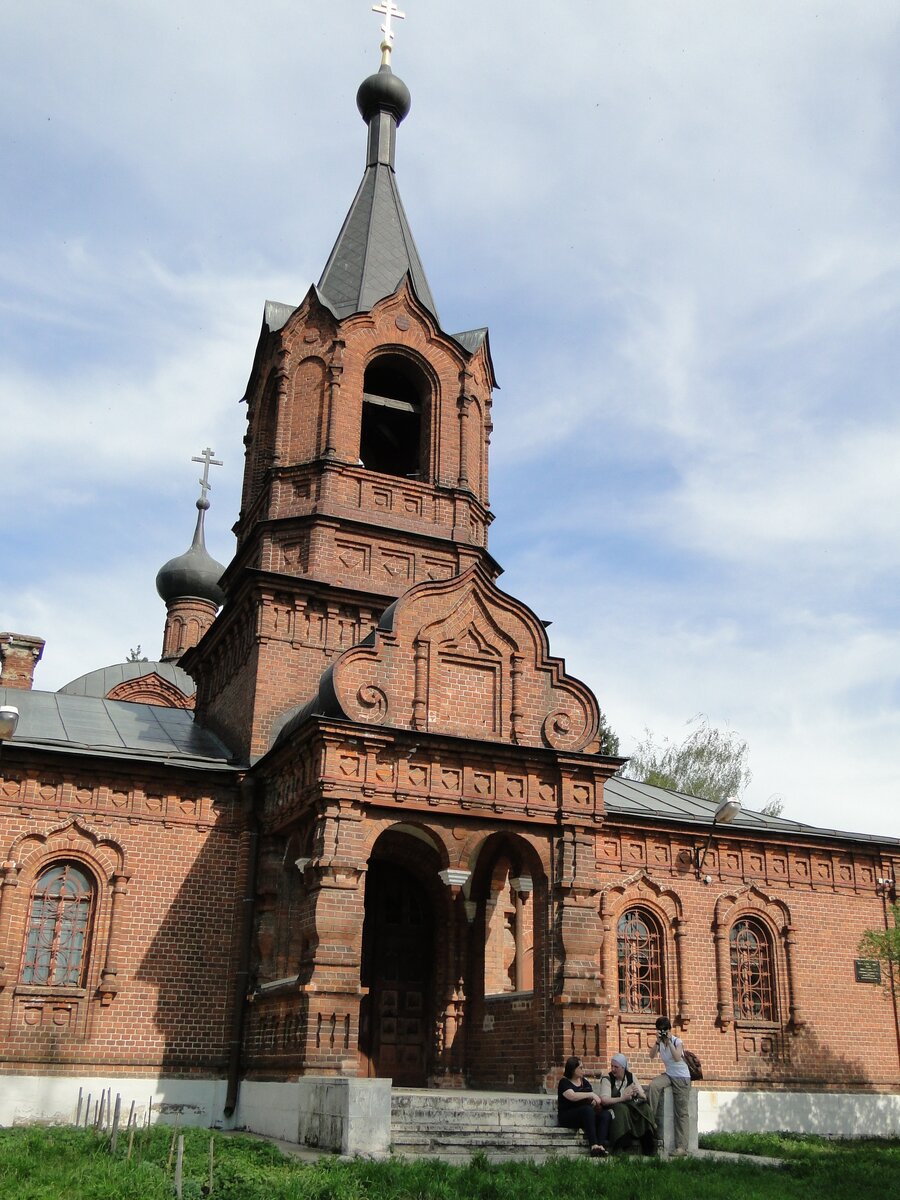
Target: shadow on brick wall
(190, 960)
(805, 1089)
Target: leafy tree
(710, 762)
(134, 655)
(773, 807)
(884, 944)
(609, 740)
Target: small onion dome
(383, 92)
(194, 573)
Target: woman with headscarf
(627, 1101)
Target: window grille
(752, 977)
(640, 963)
(58, 928)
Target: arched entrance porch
(401, 948)
(508, 985)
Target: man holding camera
(677, 1078)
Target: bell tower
(366, 469)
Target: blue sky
(681, 223)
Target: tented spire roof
(375, 249)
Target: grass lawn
(65, 1164)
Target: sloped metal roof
(471, 339)
(627, 799)
(116, 728)
(100, 682)
(374, 250)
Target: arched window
(752, 975)
(640, 958)
(391, 437)
(59, 922)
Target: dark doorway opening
(397, 957)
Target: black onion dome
(194, 573)
(383, 92)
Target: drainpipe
(249, 789)
(888, 889)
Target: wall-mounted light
(887, 887)
(724, 815)
(9, 719)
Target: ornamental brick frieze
(396, 775)
(621, 849)
(33, 794)
(227, 652)
(460, 657)
(318, 624)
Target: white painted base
(665, 1117)
(830, 1114)
(53, 1099)
(352, 1116)
(348, 1116)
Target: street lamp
(724, 815)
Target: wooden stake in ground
(78, 1109)
(87, 1111)
(211, 1144)
(172, 1146)
(179, 1164)
(130, 1143)
(113, 1142)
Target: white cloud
(679, 219)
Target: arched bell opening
(393, 435)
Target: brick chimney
(19, 655)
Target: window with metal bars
(752, 973)
(640, 957)
(56, 942)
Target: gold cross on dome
(390, 9)
(206, 457)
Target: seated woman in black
(581, 1108)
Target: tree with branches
(884, 945)
(710, 762)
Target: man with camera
(677, 1078)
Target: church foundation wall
(53, 1099)
(828, 1114)
(352, 1116)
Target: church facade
(358, 821)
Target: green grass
(64, 1164)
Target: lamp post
(724, 815)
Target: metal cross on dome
(390, 9)
(206, 457)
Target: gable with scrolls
(460, 657)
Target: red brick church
(358, 821)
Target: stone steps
(454, 1125)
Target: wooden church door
(398, 936)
